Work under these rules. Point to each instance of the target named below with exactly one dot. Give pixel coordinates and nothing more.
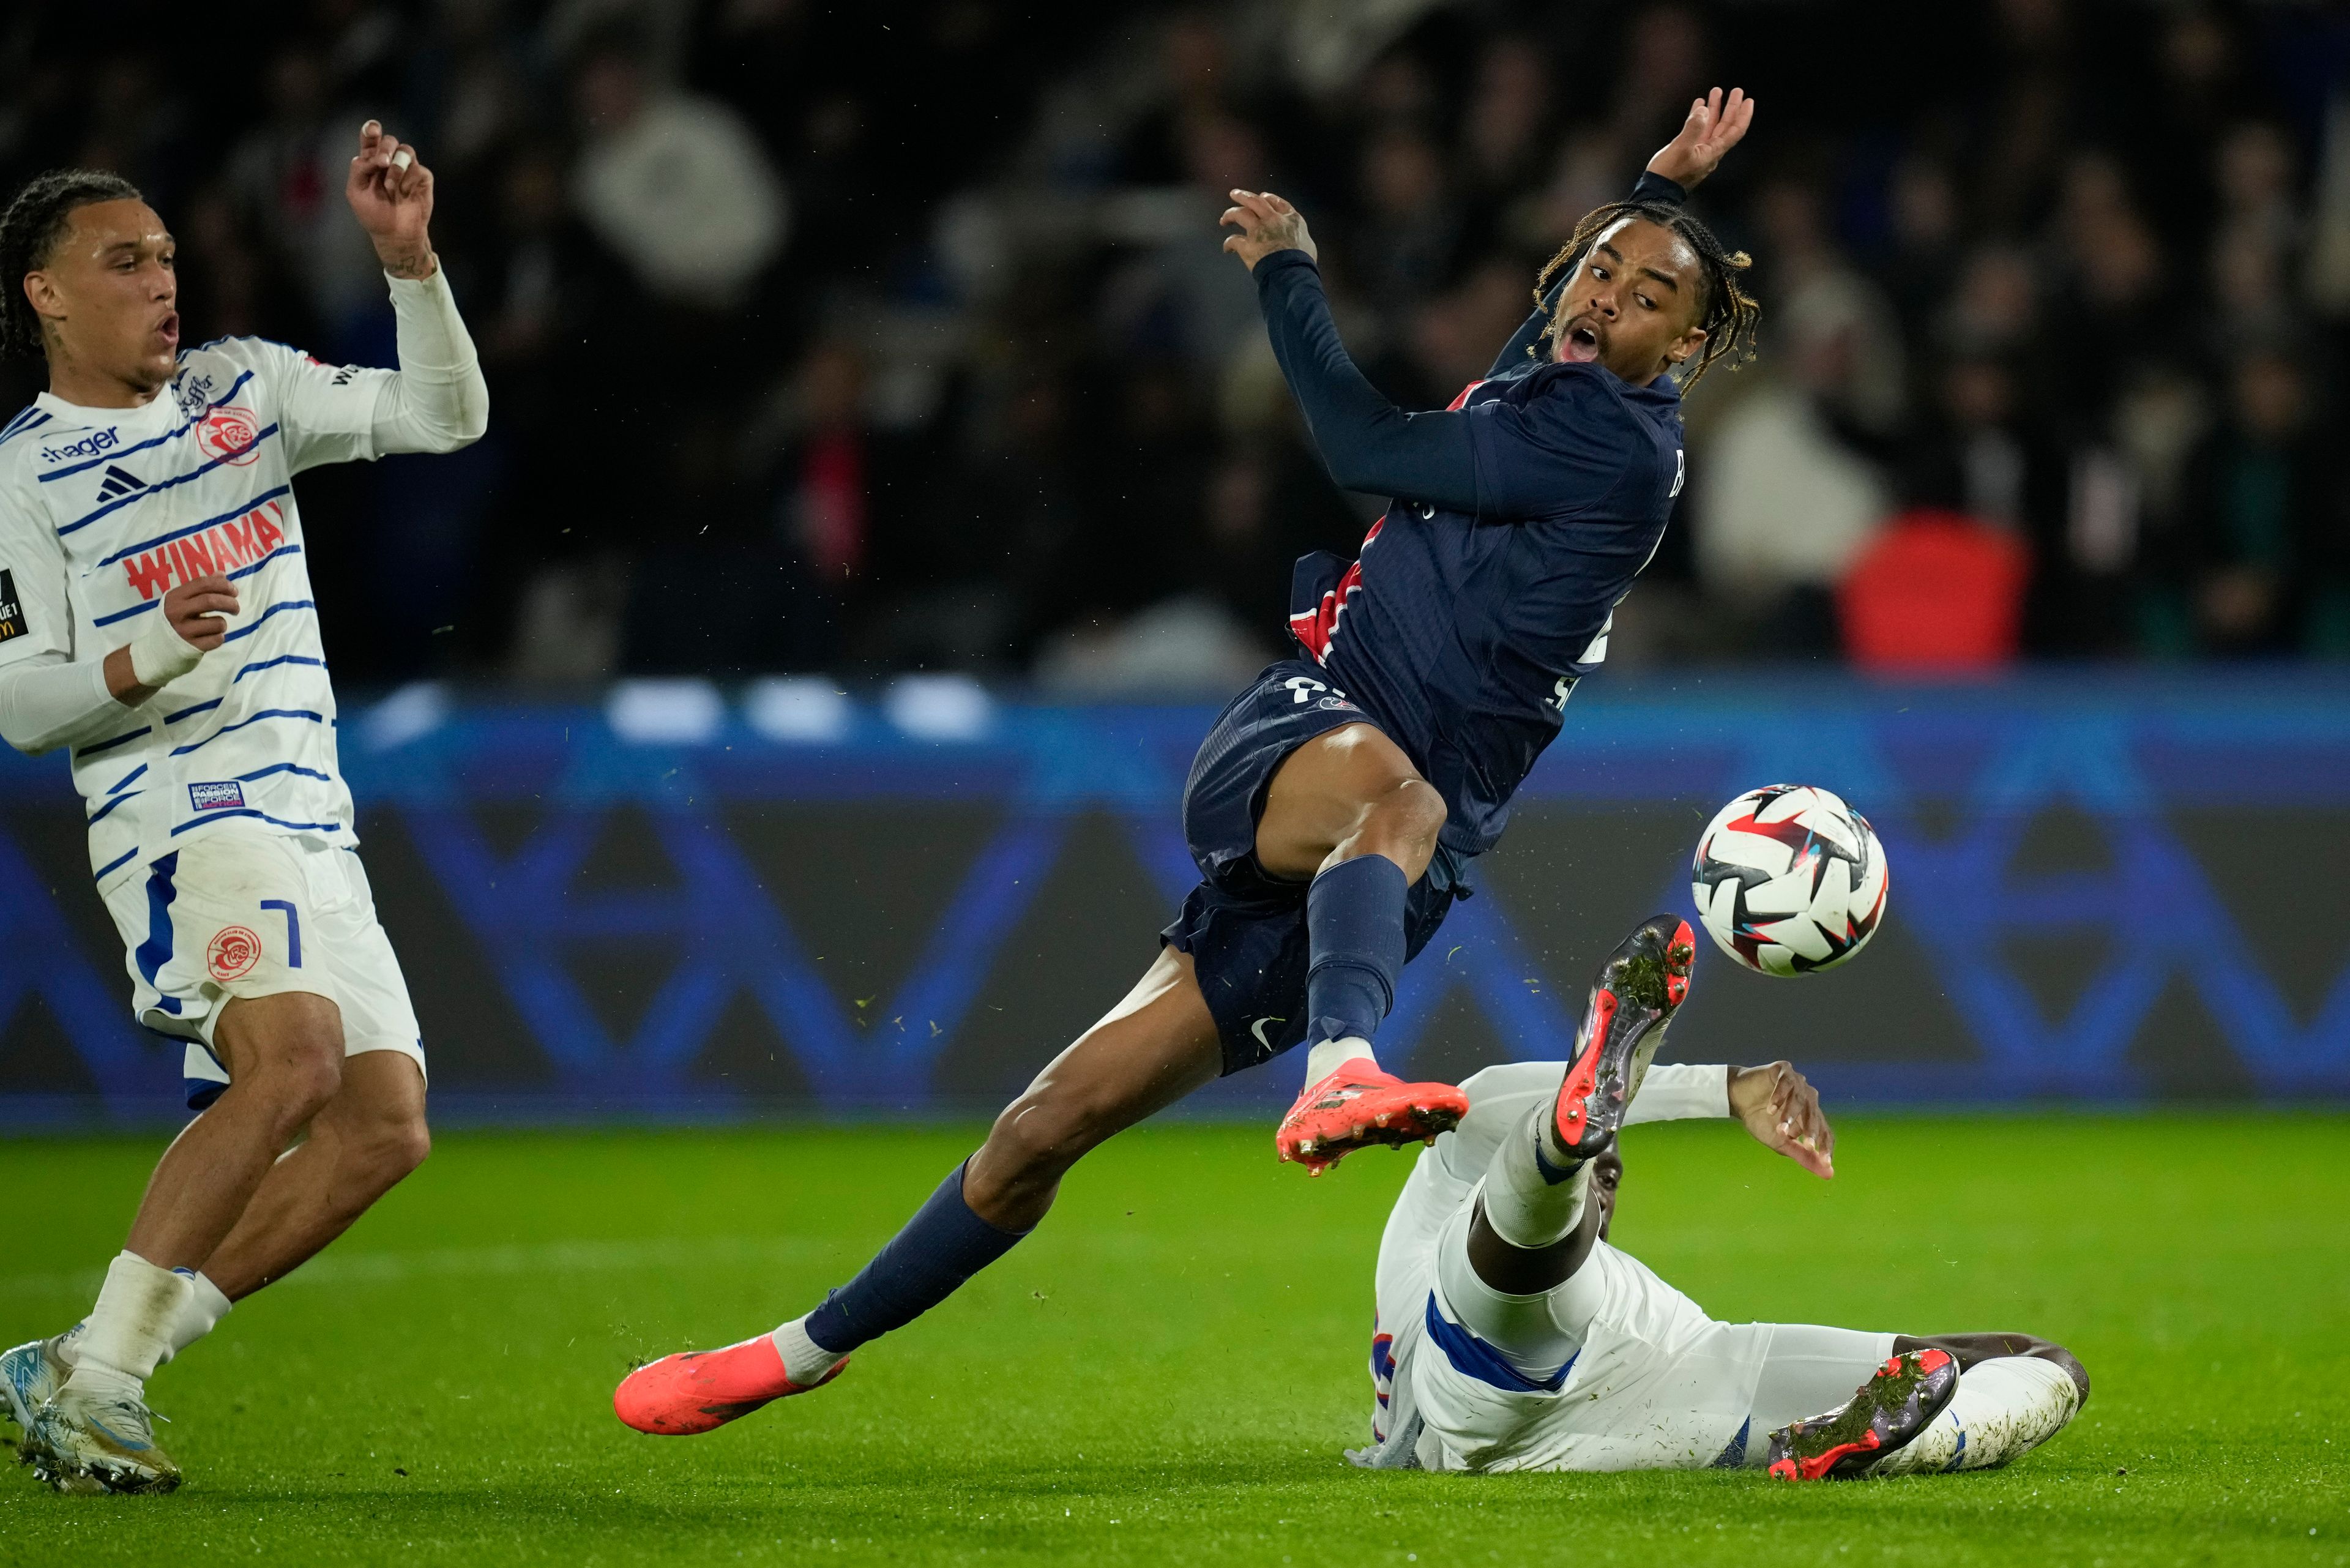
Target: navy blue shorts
(1245, 928)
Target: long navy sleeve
(1647, 188)
(1366, 442)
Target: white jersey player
(1511, 1336)
(156, 618)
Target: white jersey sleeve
(47, 700)
(1500, 1097)
(36, 615)
(326, 412)
(436, 401)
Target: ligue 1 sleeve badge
(233, 951)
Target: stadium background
(785, 705)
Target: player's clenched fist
(194, 608)
(391, 192)
(1782, 1109)
(1266, 224)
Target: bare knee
(1403, 824)
(1039, 1137)
(284, 1053)
(1013, 1179)
(377, 1122)
(302, 1084)
(389, 1149)
(1419, 814)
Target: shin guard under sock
(1529, 1202)
(940, 1247)
(128, 1332)
(1354, 924)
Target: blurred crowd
(897, 335)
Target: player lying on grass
(1335, 805)
(1511, 1336)
(159, 620)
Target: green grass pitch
(1166, 1371)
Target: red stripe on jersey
(1463, 401)
(1314, 628)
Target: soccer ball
(1789, 880)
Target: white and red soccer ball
(1789, 880)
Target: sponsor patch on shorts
(216, 796)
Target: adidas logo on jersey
(119, 482)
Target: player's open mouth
(168, 328)
(1580, 345)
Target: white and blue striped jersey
(103, 509)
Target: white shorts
(238, 911)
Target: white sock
(1327, 1058)
(1531, 1201)
(198, 1315)
(805, 1362)
(1538, 1334)
(128, 1332)
(2004, 1407)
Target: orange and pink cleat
(1639, 989)
(696, 1390)
(1359, 1106)
(1891, 1409)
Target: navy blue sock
(941, 1246)
(1354, 922)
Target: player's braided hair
(30, 232)
(1726, 311)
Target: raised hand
(1782, 1109)
(1266, 224)
(1714, 126)
(390, 192)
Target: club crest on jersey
(233, 952)
(221, 547)
(231, 433)
(217, 796)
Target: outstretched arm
(1366, 442)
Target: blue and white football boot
(30, 1374)
(84, 1441)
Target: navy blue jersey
(1465, 632)
(1471, 614)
